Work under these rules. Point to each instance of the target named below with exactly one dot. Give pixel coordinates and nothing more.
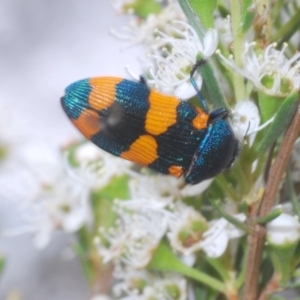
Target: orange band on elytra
(162, 113)
(88, 123)
(142, 151)
(103, 93)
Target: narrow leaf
(212, 87)
(204, 9)
(211, 83)
(247, 15)
(287, 30)
(281, 121)
(269, 217)
(2, 264)
(165, 260)
(193, 20)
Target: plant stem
(256, 240)
(238, 80)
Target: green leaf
(144, 8)
(270, 216)
(102, 200)
(117, 188)
(141, 8)
(212, 87)
(231, 219)
(268, 105)
(211, 83)
(276, 297)
(3, 152)
(204, 9)
(71, 150)
(286, 31)
(247, 15)
(165, 260)
(193, 20)
(281, 121)
(2, 264)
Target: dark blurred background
(44, 46)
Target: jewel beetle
(132, 121)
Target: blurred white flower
(100, 297)
(121, 6)
(13, 136)
(170, 67)
(87, 153)
(130, 282)
(270, 71)
(141, 285)
(285, 229)
(167, 289)
(224, 27)
(50, 196)
(144, 31)
(99, 167)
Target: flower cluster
(270, 71)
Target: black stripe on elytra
(124, 121)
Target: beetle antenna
(197, 65)
(200, 96)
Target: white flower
(133, 239)
(271, 71)
(99, 167)
(158, 193)
(216, 238)
(195, 189)
(224, 27)
(153, 192)
(285, 229)
(186, 229)
(143, 220)
(246, 119)
(170, 69)
(189, 232)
